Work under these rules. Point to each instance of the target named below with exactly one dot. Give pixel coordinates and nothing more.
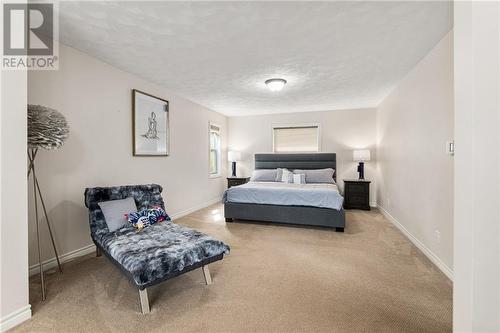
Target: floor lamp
(47, 129)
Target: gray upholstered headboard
(297, 161)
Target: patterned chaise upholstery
(156, 253)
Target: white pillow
(299, 178)
(287, 176)
(279, 174)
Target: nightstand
(235, 181)
(356, 194)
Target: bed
(281, 203)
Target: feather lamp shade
(47, 128)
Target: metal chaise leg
(206, 274)
(98, 251)
(143, 294)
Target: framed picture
(151, 132)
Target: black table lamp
(234, 156)
(361, 156)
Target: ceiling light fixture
(275, 84)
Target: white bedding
(275, 193)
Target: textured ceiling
(334, 55)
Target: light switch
(450, 147)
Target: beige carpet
(277, 279)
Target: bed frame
(302, 215)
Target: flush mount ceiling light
(275, 84)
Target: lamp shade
(47, 128)
(233, 156)
(361, 155)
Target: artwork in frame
(151, 132)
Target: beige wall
(415, 184)
(96, 100)
(14, 306)
(341, 132)
(476, 290)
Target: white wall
(341, 132)
(476, 291)
(415, 183)
(14, 306)
(96, 100)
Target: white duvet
(274, 193)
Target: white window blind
(296, 138)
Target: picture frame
(150, 125)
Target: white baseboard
(185, 212)
(428, 253)
(373, 204)
(51, 263)
(15, 318)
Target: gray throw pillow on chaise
(318, 175)
(114, 212)
(264, 175)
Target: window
(296, 138)
(214, 150)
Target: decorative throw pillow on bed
(264, 175)
(318, 175)
(299, 178)
(287, 176)
(279, 174)
(147, 217)
(115, 212)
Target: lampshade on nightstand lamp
(361, 156)
(234, 156)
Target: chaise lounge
(156, 253)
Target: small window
(214, 150)
(296, 138)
